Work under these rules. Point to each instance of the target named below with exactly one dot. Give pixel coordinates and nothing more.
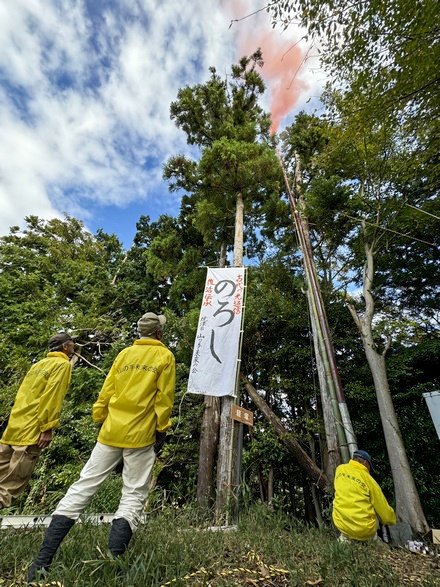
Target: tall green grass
(174, 544)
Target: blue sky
(85, 90)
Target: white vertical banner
(433, 401)
(214, 361)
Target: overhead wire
(408, 236)
(421, 210)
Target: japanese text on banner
(214, 361)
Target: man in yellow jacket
(134, 406)
(359, 499)
(34, 415)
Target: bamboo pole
(344, 426)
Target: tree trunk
(270, 487)
(317, 504)
(309, 507)
(238, 238)
(262, 485)
(224, 464)
(208, 451)
(223, 252)
(408, 506)
(300, 456)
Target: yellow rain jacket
(358, 499)
(137, 396)
(38, 402)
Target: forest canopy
(365, 175)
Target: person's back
(134, 406)
(34, 415)
(36, 405)
(135, 400)
(358, 500)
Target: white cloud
(85, 96)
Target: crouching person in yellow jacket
(134, 406)
(359, 499)
(34, 415)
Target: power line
(413, 238)
(424, 211)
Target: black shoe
(120, 536)
(55, 533)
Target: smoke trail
(282, 62)
(283, 59)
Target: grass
(174, 549)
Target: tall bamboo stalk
(346, 437)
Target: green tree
(388, 53)
(372, 164)
(302, 143)
(236, 171)
(54, 275)
(237, 162)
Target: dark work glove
(160, 439)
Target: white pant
(136, 474)
(343, 538)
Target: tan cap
(150, 323)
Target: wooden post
(227, 425)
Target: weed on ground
(176, 549)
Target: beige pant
(136, 475)
(16, 466)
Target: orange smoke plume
(283, 58)
(282, 62)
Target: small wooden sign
(242, 415)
